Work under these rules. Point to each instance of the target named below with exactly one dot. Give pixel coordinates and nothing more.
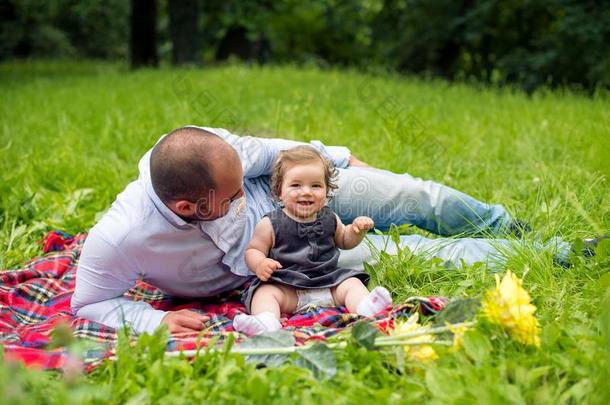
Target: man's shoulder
(129, 213)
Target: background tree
(238, 29)
(526, 43)
(183, 31)
(143, 38)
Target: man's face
(229, 187)
(228, 177)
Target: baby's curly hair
(298, 155)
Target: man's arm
(258, 154)
(104, 274)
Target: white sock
(256, 324)
(377, 300)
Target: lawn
(71, 136)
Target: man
(185, 223)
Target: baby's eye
(317, 186)
(295, 185)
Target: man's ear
(185, 208)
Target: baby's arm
(350, 236)
(258, 250)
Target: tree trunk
(236, 43)
(143, 39)
(183, 31)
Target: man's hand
(266, 267)
(184, 321)
(362, 224)
(355, 162)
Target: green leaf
(61, 336)
(319, 359)
(457, 310)
(142, 397)
(577, 391)
(395, 235)
(578, 246)
(74, 199)
(444, 384)
(550, 334)
(280, 338)
(511, 393)
(536, 373)
(603, 249)
(364, 335)
(227, 345)
(476, 345)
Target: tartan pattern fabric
(36, 298)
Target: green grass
(71, 136)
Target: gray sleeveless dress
(307, 253)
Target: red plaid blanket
(36, 298)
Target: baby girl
(294, 249)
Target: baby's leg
(354, 295)
(268, 303)
(274, 298)
(350, 293)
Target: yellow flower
(415, 352)
(509, 306)
(458, 331)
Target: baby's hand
(362, 224)
(266, 267)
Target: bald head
(185, 164)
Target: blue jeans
(390, 198)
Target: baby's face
(304, 190)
